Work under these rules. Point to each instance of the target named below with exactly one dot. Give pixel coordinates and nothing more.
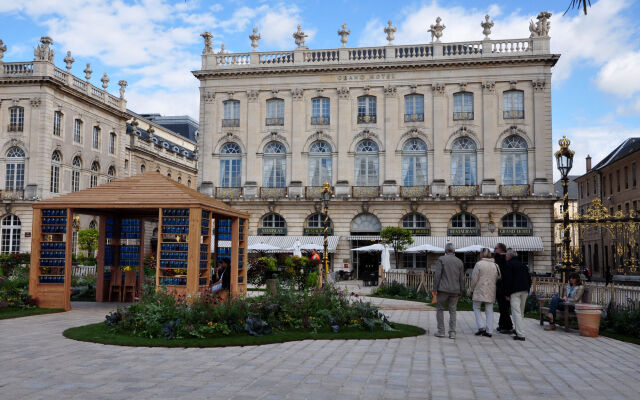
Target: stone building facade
(450, 140)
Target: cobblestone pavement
(38, 363)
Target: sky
(155, 44)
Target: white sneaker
(452, 335)
(439, 334)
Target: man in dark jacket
(504, 323)
(517, 283)
(448, 282)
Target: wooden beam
(36, 237)
(102, 241)
(235, 242)
(193, 257)
(68, 262)
(158, 248)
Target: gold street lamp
(326, 196)
(564, 160)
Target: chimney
(588, 163)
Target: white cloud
(277, 26)
(621, 75)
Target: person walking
(504, 323)
(448, 282)
(483, 291)
(517, 284)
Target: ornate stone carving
(123, 85)
(436, 30)
(542, 27)
(413, 89)
(297, 93)
(319, 92)
(463, 86)
(538, 85)
(255, 38)
(343, 92)
(390, 91)
(366, 89)
(208, 48)
(88, 71)
(252, 95)
(489, 86)
(35, 102)
(486, 27)
(209, 97)
(344, 33)
(365, 207)
(105, 81)
(438, 89)
(43, 52)
(299, 37)
(390, 30)
(3, 48)
(513, 84)
(68, 60)
(229, 95)
(222, 49)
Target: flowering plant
(127, 268)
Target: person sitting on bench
(224, 282)
(574, 291)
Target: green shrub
(625, 321)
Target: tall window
(16, 119)
(54, 183)
(513, 104)
(143, 168)
(464, 220)
(367, 110)
(273, 220)
(75, 174)
(514, 161)
(231, 113)
(230, 165)
(515, 220)
(96, 138)
(320, 111)
(77, 130)
(367, 163)
(634, 175)
(319, 163)
(462, 105)
(626, 177)
(414, 163)
(419, 225)
(15, 169)
(111, 173)
(112, 143)
(275, 112)
(413, 108)
(95, 169)
(57, 123)
(595, 185)
(463, 162)
(275, 165)
(11, 234)
(415, 221)
(618, 179)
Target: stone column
(542, 138)
(390, 135)
(441, 163)
(297, 139)
(208, 136)
(253, 115)
(343, 169)
(491, 162)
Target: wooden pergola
(188, 223)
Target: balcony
(12, 195)
(274, 121)
(230, 123)
(462, 116)
(414, 191)
(513, 114)
(413, 117)
(314, 192)
(228, 192)
(273, 192)
(463, 190)
(365, 191)
(15, 127)
(366, 119)
(319, 120)
(514, 190)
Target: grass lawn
(398, 297)
(99, 333)
(10, 312)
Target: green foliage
(259, 269)
(397, 238)
(88, 240)
(395, 290)
(9, 262)
(312, 280)
(14, 288)
(624, 321)
(150, 266)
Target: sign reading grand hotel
(362, 77)
(272, 231)
(515, 231)
(316, 231)
(463, 231)
(420, 231)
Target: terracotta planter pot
(589, 319)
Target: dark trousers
(557, 303)
(504, 307)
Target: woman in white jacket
(483, 291)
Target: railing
(511, 46)
(366, 119)
(80, 84)
(230, 122)
(60, 74)
(228, 192)
(514, 190)
(513, 114)
(413, 117)
(281, 57)
(365, 191)
(15, 127)
(96, 92)
(457, 116)
(321, 56)
(367, 54)
(421, 51)
(12, 195)
(17, 68)
(273, 192)
(274, 121)
(313, 192)
(319, 120)
(113, 100)
(412, 278)
(463, 190)
(414, 191)
(233, 59)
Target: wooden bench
(562, 313)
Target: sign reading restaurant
(463, 231)
(316, 231)
(515, 231)
(272, 231)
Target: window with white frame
(11, 227)
(415, 221)
(513, 104)
(54, 182)
(231, 109)
(75, 174)
(112, 143)
(366, 109)
(464, 220)
(414, 163)
(463, 106)
(96, 138)
(514, 161)
(273, 220)
(316, 221)
(275, 165)
(319, 163)
(77, 131)
(275, 112)
(16, 119)
(366, 160)
(515, 220)
(14, 173)
(463, 162)
(320, 111)
(230, 165)
(95, 170)
(111, 173)
(57, 123)
(413, 108)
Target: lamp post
(326, 196)
(564, 159)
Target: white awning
(364, 237)
(519, 243)
(286, 242)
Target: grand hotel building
(450, 140)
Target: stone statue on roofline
(300, 36)
(208, 47)
(43, 52)
(3, 48)
(255, 37)
(390, 30)
(436, 30)
(344, 33)
(542, 27)
(486, 27)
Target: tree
(579, 4)
(88, 240)
(396, 238)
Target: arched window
(93, 224)
(514, 161)
(463, 106)
(77, 130)
(111, 172)
(54, 182)
(314, 226)
(169, 174)
(10, 234)
(189, 182)
(75, 174)
(367, 110)
(231, 113)
(230, 165)
(275, 112)
(273, 224)
(515, 224)
(463, 162)
(319, 163)
(367, 163)
(413, 108)
(16, 119)
(463, 224)
(15, 169)
(417, 223)
(275, 165)
(112, 143)
(513, 104)
(366, 223)
(414, 163)
(320, 111)
(142, 168)
(96, 137)
(57, 123)
(179, 179)
(95, 169)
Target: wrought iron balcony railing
(15, 127)
(514, 190)
(365, 191)
(464, 116)
(12, 195)
(230, 122)
(228, 192)
(413, 117)
(513, 114)
(366, 119)
(274, 121)
(414, 191)
(463, 190)
(319, 120)
(273, 192)
(313, 192)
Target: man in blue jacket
(517, 285)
